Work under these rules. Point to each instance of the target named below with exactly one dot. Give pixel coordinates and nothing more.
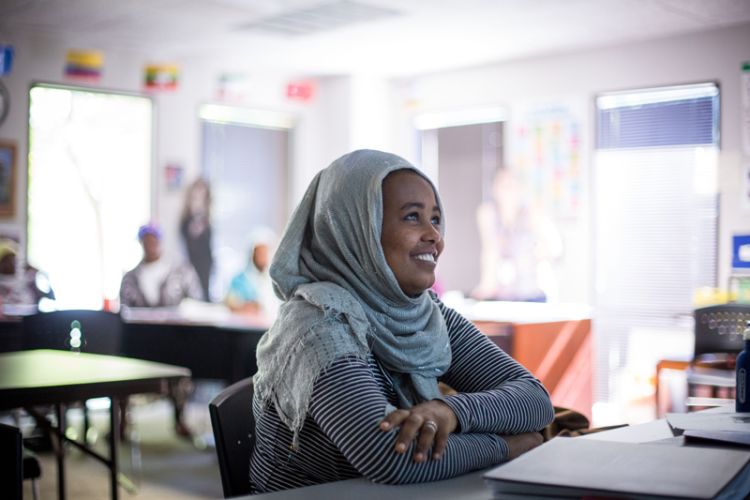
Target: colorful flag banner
(81, 64)
(161, 76)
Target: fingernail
(400, 447)
(385, 425)
(437, 456)
(418, 457)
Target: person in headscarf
(347, 381)
(251, 290)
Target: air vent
(323, 17)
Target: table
(467, 487)
(48, 377)
(211, 348)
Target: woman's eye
(412, 216)
(436, 220)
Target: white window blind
(655, 215)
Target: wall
(351, 111)
(323, 126)
(577, 78)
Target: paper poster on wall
(546, 151)
(745, 90)
(745, 188)
(173, 176)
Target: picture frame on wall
(7, 178)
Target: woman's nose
(432, 233)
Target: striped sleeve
(495, 393)
(348, 404)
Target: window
(89, 189)
(655, 218)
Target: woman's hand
(521, 443)
(429, 423)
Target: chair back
(233, 424)
(11, 461)
(718, 329)
(96, 332)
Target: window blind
(655, 215)
(674, 116)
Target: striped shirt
(341, 439)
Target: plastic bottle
(743, 373)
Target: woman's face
(410, 236)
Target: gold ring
(431, 424)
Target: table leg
(114, 437)
(60, 451)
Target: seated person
(251, 291)
(155, 281)
(20, 287)
(347, 381)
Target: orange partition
(558, 353)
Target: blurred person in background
(519, 245)
(25, 286)
(156, 281)
(195, 229)
(251, 290)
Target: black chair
(96, 332)
(16, 464)
(234, 431)
(718, 340)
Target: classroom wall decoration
(545, 150)
(161, 77)
(745, 90)
(234, 87)
(7, 178)
(6, 59)
(173, 176)
(301, 91)
(83, 64)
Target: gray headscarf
(341, 297)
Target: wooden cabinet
(559, 353)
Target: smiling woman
(347, 381)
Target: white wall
(352, 111)
(322, 133)
(578, 77)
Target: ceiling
(384, 37)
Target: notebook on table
(574, 467)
